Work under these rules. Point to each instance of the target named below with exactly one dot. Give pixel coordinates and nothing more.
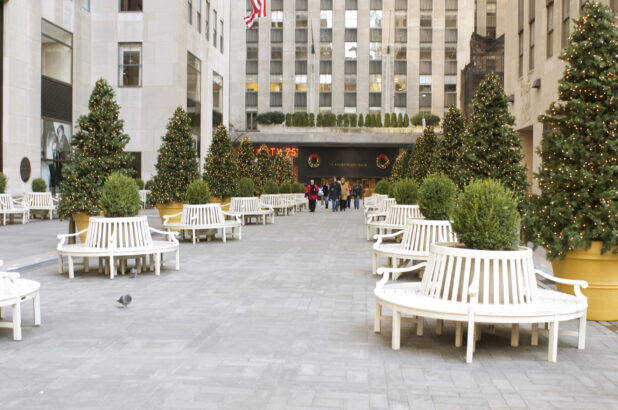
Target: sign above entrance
(291, 152)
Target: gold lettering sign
(348, 164)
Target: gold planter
(82, 220)
(601, 273)
(170, 209)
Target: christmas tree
(491, 147)
(263, 170)
(177, 164)
(246, 159)
(577, 178)
(97, 151)
(451, 142)
(282, 169)
(220, 167)
(401, 167)
(423, 158)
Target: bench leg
(374, 260)
(419, 325)
(377, 318)
(60, 264)
(101, 263)
(86, 263)
(239, 233)
(458, 334)
(157, 257)
(178, 259)
(17, 321)
(470, 343)
(368, 232)
(515, 335)
(223, 234)
(534, 339)
(439, 326)
(581, 344)
(396, 330)
(193, 236)
(71, 267)
(552, 351)
(37, 309)
(112, 267)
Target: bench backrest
(202, 214)
(399, 214)
(244, 204)
(419, 234)
(499, 277)
(289, 198)
(132, 232)
(39, 199)
(272, 199)
(6, 202)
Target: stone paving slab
(280, 320)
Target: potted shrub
(176, 167)
(119, 197)
(39, 185)
(140, 183)
(436, 197)
(2, 183)
(405, 191)
(97, 150)
(246, 188)
(285, 187)
(198, 193)
(574, 217)
(299, 188)
(271, 187)
(382, 187)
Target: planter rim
(120, 218)
(458, 249)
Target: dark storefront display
(357, 163)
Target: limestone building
(534, 39)
(157, 54)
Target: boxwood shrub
(436, 197)
(382, 187)
(272, 117)
(119, 196)
(39, 185)
(2, 183)
(246, 187)
(198, 192)
(271, 187)
(285, 187)
(405, 191)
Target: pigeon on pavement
(125, 300)
(133, 273)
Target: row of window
(424, 5)
(198, 19)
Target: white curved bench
(279, 203)
(372, 203)
(481, 287)
(14, 291)
(11, 207)
(380, 213)
(416, 240)
(302, 202)
(203, 217)
(396, 218)
(40, 202)
(116, 238)
(250, 207)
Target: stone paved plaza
(280, 320)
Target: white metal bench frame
(250, 207)
(204, 217)
(10, 207)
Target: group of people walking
(340, 194)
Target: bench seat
(204, 217)
(10, 207)
(13, 291)
(250, 207)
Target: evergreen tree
(361, 122)
(176, 164)
(263, 170)
(423, 158)
(491, 148)
(387, 120)
(283, 170)
(449, 146)
(369, 120)
(220, 167)
(246, 159)
(401, 167)
(378, 120)
(406, 120)
(577, 178)
(97, 151)
(399, 120)
(319, 120)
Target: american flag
(258, 10)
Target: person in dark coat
(357, 191)
(334, 192)
(312, 194)
(325, 193)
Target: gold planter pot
(170, 209)
(82, 220)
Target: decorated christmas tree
(401, 167)
(176, 164)
(577, 178)
(246, 159)
(423, 159)
(282, 169)
(491, 147)
(220, 167)
(263, 169)
(97, 151)
(450, 144)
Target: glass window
(130, 5)
(207, 20)
(375, 18)
(217, 94)
(130, 65)
(375, 51)
(301, 52)
(451, 19)
(301, 82)
(401, 52)
(194, 77)
(425, 53)
(326, 51)
(86, 4)
(351, 50)
(276, 19)
(252, 83)
(276, 52)
(350, 82)
(56, 52)
(550, 30)
(199, 16)
(221, 37)
(301, 20)
(214, 28)
(190, 12)
(401, 19)
(425, 19)
(400, 81)
(450, 52)
(326, 18)
(351, 20)
(276, 83)
(252, 52)
(326, 81)
(424, 80)
(375, 83)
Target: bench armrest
(63, 237)
(269, 207)
(577, 284)
(171, 236)
(236, 216)
(166, 218)
(380, 238)
(9, 275)
(386, 272)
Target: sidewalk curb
(32, 264)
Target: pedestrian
(325, 191)
(345, 194)
(334, 192)
(312, 194)
(349, 196)
(357, 190)
(321, 196)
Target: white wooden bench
(204, 217)
(42, 202)
(143, 196)
(13, 291)
(117, 238)
(395, 220)
(481, 287)
(248, 208)
(279, 203)
(416, 240)
(372, 203)
(302, 202)
(9, 207)
(379, 214)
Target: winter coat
(334, 191)
(357, 191)
(345, 191)
(325, 190)
(312, 197)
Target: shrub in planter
(288, 120)
(382, 187)
(406, 121)
(399, 120)
(271, 187)
(486, 217)
(119, 196)
(246, 187)
(319, 120)
(272, 117)
(298, 188)
(139, 182)
(405, 191)
(2, 183)
(285, 188)
(431, 120)
(387, 120)
(361, 122)
(353, 121)
(436, 197)
(39, 185)
(198, 192)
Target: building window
(426, 5)
(199, 16)
(326, 82)
(326, 19)
(251, 120)
(426, 31)
(351, 20)
(194, 77)
(531, 26)
(217, 100)
(56, 53)
(86, 5)
(375, 51)
(425, 60)
(207, 20)
(401, 4)
(326, 4)
(375, 83)
(400, 82)
(350, 82)
(550, 29)
(520, 37)
(276, 5)
(252, 83)
(276, 19)
(276, 83)
(130, 5)
(214, 28)
(566, 19)
(326, 51)
(301, 52)
(301, 20)
(375, 18)
(301, 83)
(491, 20)
(450, 59)
(221, 37)
(351, 4)
(190, 12)
(130, 65)
(351, 50)
(401, 52)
